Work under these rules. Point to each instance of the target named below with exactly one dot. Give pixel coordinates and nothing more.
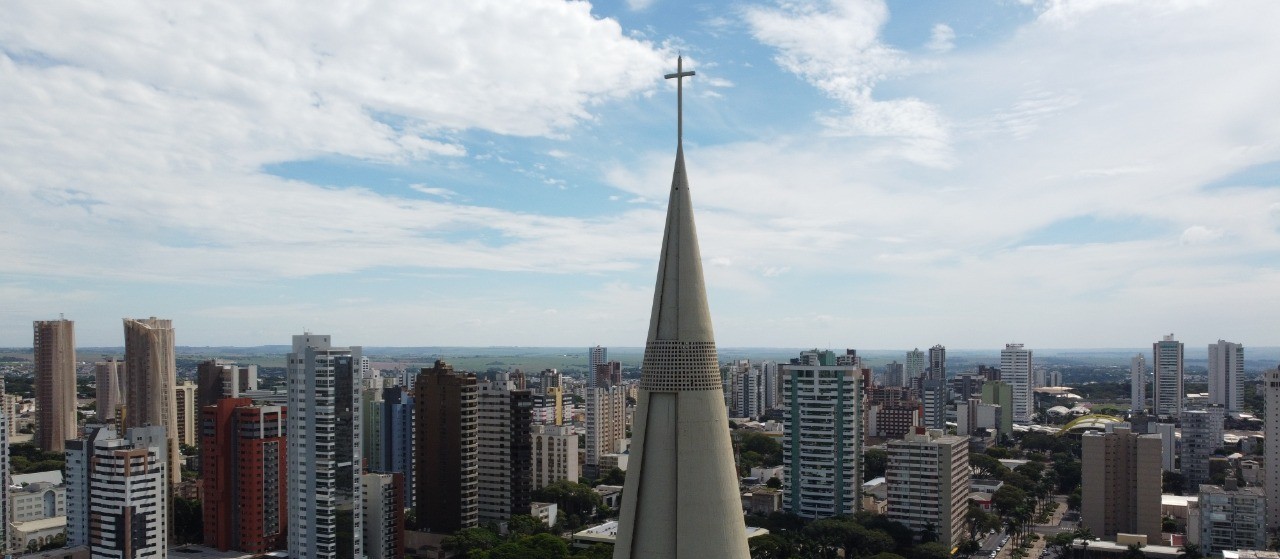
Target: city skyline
(1056, 174)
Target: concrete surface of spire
(680, 499)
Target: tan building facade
(1121, 484)
(928, 483)
(54, 345)
(187, 409)
(150, 376)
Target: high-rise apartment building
(1202, 433)
(446, 449)
(1015, 369)
(608, 373)
(1138, 383)
(151, 372)
(505, 472)
(933, 398)
(746, 385)
(596, 356)
(681, 498)
(54, 349)
(937, 362)
(822, 440)
(371, 406)
(109, 377)
(894, 375)
(555, 455)
(1226, 375)
(999, 393)
(397, 437)
(217, 379)
(1231, 517)
(244, 468)
(1271, 453)
(772, 379)
(928, 482)
(606, 425)
(1166, 389)
(1121, 491)
(7, 512)
(184, 396)
(324, 430)
(915, 364)
(383, 515)
(117, 493)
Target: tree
(769, 546)
(615, 476)
(773, 483)
(572, 498)
(932, 550)
(188, 520)
(1173, 482)
(1007, 499)
(469, 540)
(1190, 551)
(874, 463)
(525, 525)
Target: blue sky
(1065, 173)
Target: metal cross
(679, 76)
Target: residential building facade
(324, 432)
(822, 440)
(1166, 387)
(446, 449)
(928, 483)
(244, 470)
(54, 359)
(1121, 488)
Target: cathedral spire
(680, 500)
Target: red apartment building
(242, 459)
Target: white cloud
(133, 147)
(639, 5)
(942, 38)
(835, 46)
(1197, 234)
(434, 191)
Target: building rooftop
(192, 551)
(51, 476)
(31, 526)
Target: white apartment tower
(928, 483)
(915, 364)
(384, 507)
(504, 472)
(1271, 452)
(324, 433)
(1166, 389)
(747, 384)
(555, 455)
(772, 385)
(1202, 432)
(822, 440)
(1226, 375)
(1015, 369)
(1137, 383)
(117, 493)
(606, 424)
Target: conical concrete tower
(681, 496)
